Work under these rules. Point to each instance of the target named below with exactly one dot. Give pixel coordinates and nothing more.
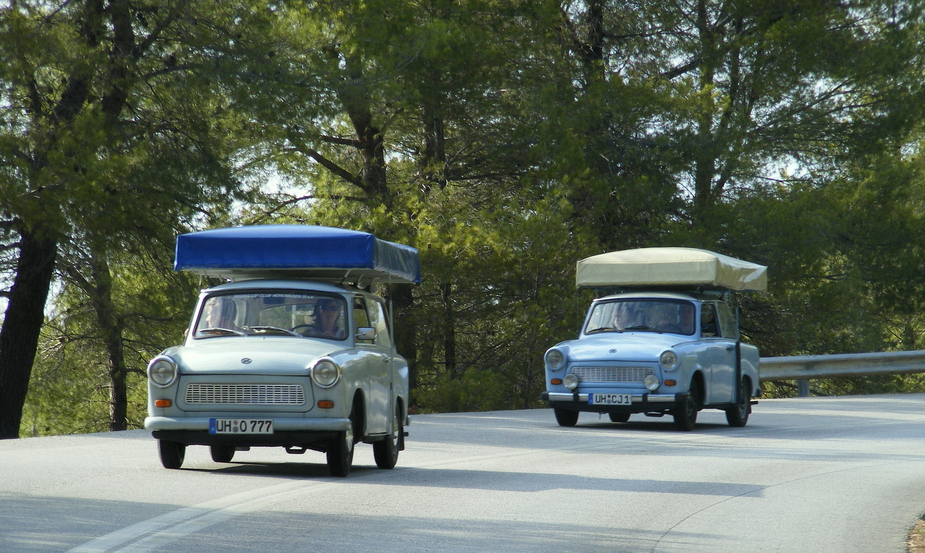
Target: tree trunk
(705, 159)
(22, 324)
(449, 329)
(100, 293)
(433, 160)
(370, 144)
(405, 329)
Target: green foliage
(114, 138)
(505, 140)
(475, 391)
(70, 390)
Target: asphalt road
(810, 474)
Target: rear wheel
(737, 415)
(386, 451)
(619, 417)
(566, 417)
(172, 453)
(340, 451)
(222, 453)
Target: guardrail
(804, 368)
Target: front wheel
(619, 417)
(340, 451)
(386, 451)
(172, 453)
(737, 415)
(685, 414)
(566, 417)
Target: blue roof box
(297, 251)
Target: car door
(717, 357)
(367, 312)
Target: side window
(709, 327)
(378, 321)
(360, 315)
(727, 321)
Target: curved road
(810, 474)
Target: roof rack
(326, 254)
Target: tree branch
(303, 148)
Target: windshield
(670, 316)
(273, 313)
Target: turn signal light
(162, 403)
(670, 382)
(325, 404)
(556, 381)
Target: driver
(326, 319)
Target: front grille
(612, 374)
(245, 394)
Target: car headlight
(651, 382)
(325, 373)
(555, 359)
(570, 382)
(162, 371)
(668, 360)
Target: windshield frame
(270, 312)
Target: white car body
(290, 355)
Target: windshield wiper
(213, 332)
(274, 330)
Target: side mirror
(366, 333)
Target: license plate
(240, 426)
(610, 399)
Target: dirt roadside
(916, 543)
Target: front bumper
(641, 403)
(280, 424)
(296, 440)
(287, 432)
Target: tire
(340, 451)
(222, 453)
(172, 453)
(566, 417)
(737, 415)
(386, 451)
(685, 414)
(619, 417)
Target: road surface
(807, 474)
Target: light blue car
(669, 345)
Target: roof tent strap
(392, 319)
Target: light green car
(282, 362)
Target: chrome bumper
(583, 398)
(280, 424)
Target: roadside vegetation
(505, 139)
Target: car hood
(614, 346)
(275, 355)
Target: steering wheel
(297, 327)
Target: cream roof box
(674, 267)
